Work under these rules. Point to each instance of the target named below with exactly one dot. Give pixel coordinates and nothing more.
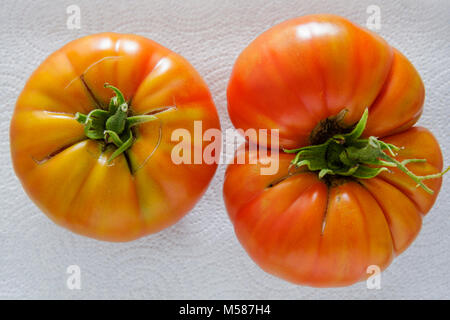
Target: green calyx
(348, 155)
(112, 125)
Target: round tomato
(91, 136)
(341, 199)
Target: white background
(200, 258)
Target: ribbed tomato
(91, 136)
(332, 209)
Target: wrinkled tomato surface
(327, 232)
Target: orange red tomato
(327, 231)
(71, 177)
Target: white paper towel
(200, 258)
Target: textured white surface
(200, 258)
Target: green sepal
(113, 105)
(348, 155)
(114, 126)
(135, 120)
(358, 130)
(313, 156)
(111, 136)
(95, 124)
(128, 142)
(117, 121)
(81, 118)
(365, 172)
(120, 99)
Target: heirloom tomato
(342, 199)
(91, 136)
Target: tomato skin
(312, 67)
(302, 228)
(67, 175)
(308, 232)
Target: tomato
(91, 136)
(332, 209)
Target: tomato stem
(113, 126)
(348, 155)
